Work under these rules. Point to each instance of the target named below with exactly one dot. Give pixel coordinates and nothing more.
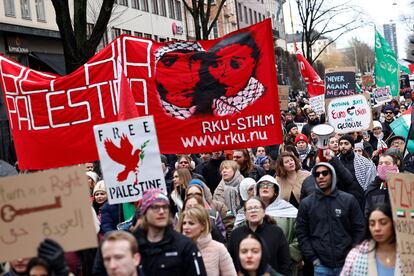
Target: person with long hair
(195, 224)
(253, 259)
(181, 178)
(265, 227)
(290, 177)
(377, 255)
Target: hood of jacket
(333, 173)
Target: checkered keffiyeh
(181, 113)
(230, 105)
(176, 46)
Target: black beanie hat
(348, 138)
(290, 126)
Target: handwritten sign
(382, 95)
(349, 114)
(51, 204)
(318, 104)
(130, 158)
(401, 188)
(340, 82)
(283, 91)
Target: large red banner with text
(204, 95)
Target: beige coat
(287, 187)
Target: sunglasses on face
(388, 112)
(324, 173)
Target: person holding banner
(377, 255)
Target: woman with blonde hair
(290, 177)
(195, 223)
(181, 179)
(227, 190)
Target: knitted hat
(290, 126)
(348, 138)
(394, 152)
(407, 95)
(301, 137)
(388, 108)
(244, 186)
(152, 196)
(196, 182)
(6, 169)
(359, 145)
(100, 186)
(377, 124)
(93, 175)
(260, 160)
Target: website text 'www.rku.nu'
(223, 139)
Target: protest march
(188, 158)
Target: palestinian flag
(401, 127)
(406, 66)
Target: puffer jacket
(328, 226)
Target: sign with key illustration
(50, 204)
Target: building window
(240, 12)
(251, 16)
(9, 8)
(40, 10)
(245, 15)
(215, 30)
(128, 32)
(138, 34)
(144, 5)
(135, 4)
(25, 7)
(122, 2)
(163, 8)
(178, 10)
(163, 39)
(171, 8)
(148, 36)
(115, 32)
(155, 6)
(89, 29)
(104, 41)
(156, 37)
(255, 17)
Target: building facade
(390, 35)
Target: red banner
(314, 83)
(204, 95)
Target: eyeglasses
(253, 208)
(266, 185)
(324, 173)
(389, 112)
(397, 143)
(157, 208)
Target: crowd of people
(289, 209)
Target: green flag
(358, 88)
(386, 65)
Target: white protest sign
(52, 204)
(130, 158)
(317, 104)
(349, 114)
(382, 94)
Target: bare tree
(322, 18)
(77, 46)
(360, 55)
(201, 11)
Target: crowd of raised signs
(289, 209)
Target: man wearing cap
(307, 154)
(389, 118)
(361, 168)
(398, 142)
(329, 223)
(408, 99)
(291, 132)
(163, 250)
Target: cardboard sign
(400, 187)
(130, 158)
(318, 104)
(51, 204)
(283, 96)
(382, 95)
(340, 82)
(349, 114)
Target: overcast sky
(379, 11)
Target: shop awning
(54, 61)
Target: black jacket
(111, 216)
(273, 238)
(256, 173)
(175, 254)
(328, 227)
(211, 172)
(376, 193)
